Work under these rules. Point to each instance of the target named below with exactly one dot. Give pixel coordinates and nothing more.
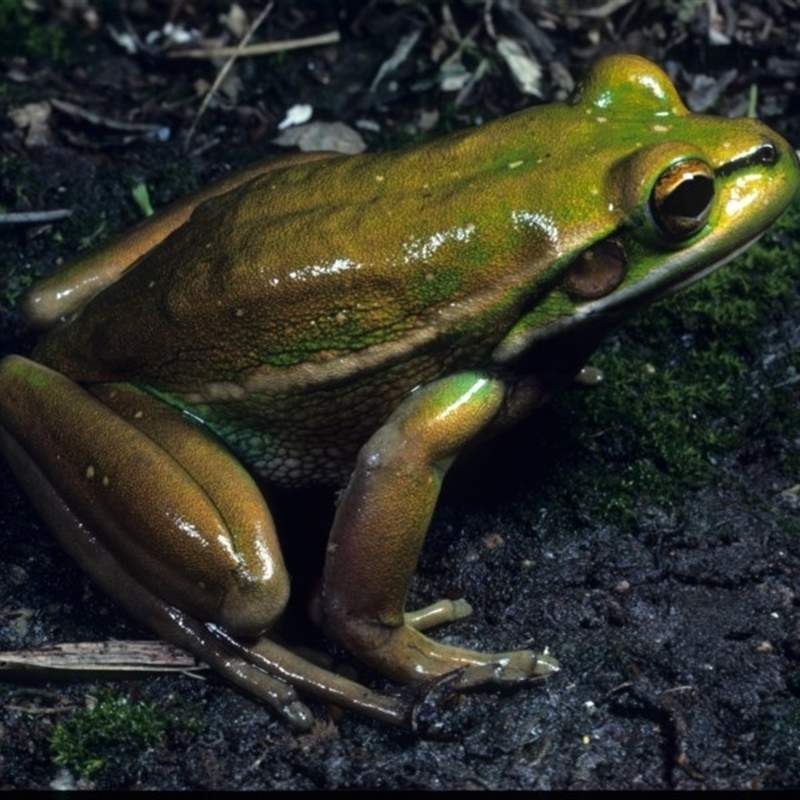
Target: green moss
(708, 375)
(22, 35)
(111, 730)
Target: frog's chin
(600, 317)
(688, 280)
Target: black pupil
(690, 198)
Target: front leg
(379, 529)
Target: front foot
(405, 655)
(511, 667)
(380, 525)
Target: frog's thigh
(380, 526)
(66, 290)
(161, 493)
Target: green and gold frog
(357, 321)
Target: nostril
(766, 154)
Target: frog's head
(680, 195)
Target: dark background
(647, 531)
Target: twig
(28, 217)
(97, 119)
(260, 49)
(114, 656)
(224, 71)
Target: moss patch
(112, 731)
(685, 388)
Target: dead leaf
(334, 137)
(34, 118)
(401, 53)
(526, 71)
(235, 20)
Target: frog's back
(320, 272)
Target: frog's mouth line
(617, 306)
(691, 278)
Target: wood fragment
(260, 49)
(226, 67)
(97, 119)
(33, 217)
(110, 656)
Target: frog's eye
(681, 199)
(597, 271)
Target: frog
(358, 322)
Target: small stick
(28, 217)
(260, 49)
